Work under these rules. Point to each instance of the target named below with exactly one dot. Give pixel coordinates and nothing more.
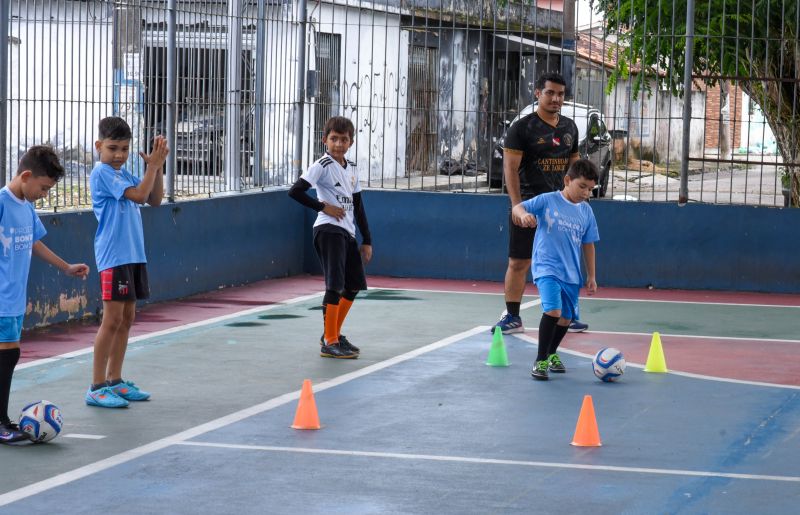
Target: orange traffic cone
(586, 433)
(306, 415)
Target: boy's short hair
(551, 77)
(341, 125)
(114, 127)
(41, 160)
(583, 168)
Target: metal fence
(242, 88)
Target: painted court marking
(83, 436)
(490, 461)
(131, 454)
(534, 341)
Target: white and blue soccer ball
(608, 364)
(41, 421)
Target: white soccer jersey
(335, 185)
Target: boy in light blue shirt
(120, 256)
(20, 232)
(566, 226)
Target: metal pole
(297, 159)
(683, 192)
(172, 89)
(233, 100)
(5, 7)
(258, 95)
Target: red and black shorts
(125, 282)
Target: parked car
(200, 138)
(594, 143)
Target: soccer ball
(41, 421)
(608, 364)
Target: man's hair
(583, 168)
(114, 128)
(339, 124)
(41, 160)
(549, 76)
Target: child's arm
(591, 282)
(361, 220)
(151, 189)
(43, 252)
(298, 192)
(521, 216)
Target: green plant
(786, 179)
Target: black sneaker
(334, 350)
(10, 433)
(539, 370)
(344, 342)
(555, 365)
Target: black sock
(8, 360)
(513, 308)
(115, 382)
(547, 331)
(557, 337)
(97, 386)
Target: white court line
(112, 461)
(561, 350)
(491, 461)
(595, 297)
(171, 330)
(699, 337)
(83, 436)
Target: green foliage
(752, 42)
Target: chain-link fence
(242, 88)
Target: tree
(752, 42)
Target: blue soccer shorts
(556, 294)
(11, 329)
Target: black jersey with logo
(545, 152)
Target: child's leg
(112, 324)
(345, 303)
(569, 312)
(119, 345)
(9, 356)
(330, 310)
(550, 295)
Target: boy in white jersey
(340, 210)
(119, 251)
(566, 225)
(20, 234)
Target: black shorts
(520, 240)
(125, 282)
(340, 259)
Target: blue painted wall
(207, 244)
(464, 236)
(192, 247)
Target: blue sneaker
(129, 391)
(577, 327)
(509, 324)
(105, 398)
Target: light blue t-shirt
(562, 227)
(20, 228)
(120, 238)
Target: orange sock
(344, 307)
(332, 323)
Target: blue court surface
(435, 430)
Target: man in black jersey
(538, 150)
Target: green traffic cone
(497, 354)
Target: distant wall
(207, 244)
(464, 236)
(191, 246)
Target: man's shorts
(340, 259)
(520, 240)
(11, 329)
(556, 294)
(125, 282)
